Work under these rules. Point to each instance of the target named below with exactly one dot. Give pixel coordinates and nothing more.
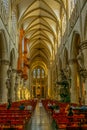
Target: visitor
(29, 107)
(40, 104)
(9, 103)
(70, 115)
(56, 109)
(49, 105)
(22, 107)
(70, 112)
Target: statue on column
(67, 72)
(80, 60)
(64, 90)
(82, 69)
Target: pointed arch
(74, 50)
(3, 45)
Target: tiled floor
(40, 120)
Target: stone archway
(4, 62)
(75, 74)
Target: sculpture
(80, 59)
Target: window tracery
(38, 73)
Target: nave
(40, 120)
(43, 55)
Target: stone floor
(40, 120)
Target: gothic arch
(74, 50)
(3, 45)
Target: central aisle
(40, 120)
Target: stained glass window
(38, 73)
(34, 73)
(43, 73)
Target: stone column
(83, 47)
(12, 94)
(16, 89)
(30, 84)
(3, 76)
(74, 88)
(49, 82)
(18, 82)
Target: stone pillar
(74, 88)
(83, 47)
(18, 82)
(49, 82)
(30, 84)
(21, 86)
(3, 76)
(16, 89)
(12, 94)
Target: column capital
(83, 45)
(72, 61)
(4, 61)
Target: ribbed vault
(40, 20)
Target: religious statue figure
(80, 59)
(67, 71)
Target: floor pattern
(40, 120)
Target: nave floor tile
(40, 120)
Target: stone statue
(67, 71)
(80, 59)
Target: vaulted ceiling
(41, 20)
